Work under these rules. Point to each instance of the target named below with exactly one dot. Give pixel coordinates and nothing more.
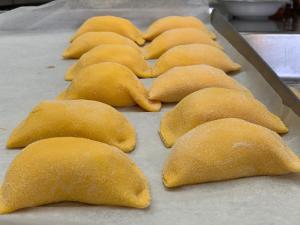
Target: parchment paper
(31, 70)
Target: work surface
(31, 70)
(280, 51)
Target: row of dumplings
(217, 131)
(110, 60)
(65, 168)
(213, 108)
(180, 55)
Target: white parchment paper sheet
(31, 70)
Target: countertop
(276, 41)
(280, 51)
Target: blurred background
(245, 15)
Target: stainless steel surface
(277, 42)
(280, 51)
(257, 26)
(244, 48)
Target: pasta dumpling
(111, 24)
(171, 22)
(75, 118)
(226, 149)
(192, 54)
(72, 169)
(175, 37)
(121, 54)
(111, 83)
(178, 82)
(89, 40)
(212, 104)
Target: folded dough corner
(110, 83)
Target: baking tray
(280, 52)
(31, 70)
(227, 30)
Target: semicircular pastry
(75, 118)
(178, 82)
(193, 54)
(212, 104)
(121, 54)
(175, 37)
(111, 83)
(172, 22)
(72, 169)
(111, 24)
(89, 40)
(226, 149)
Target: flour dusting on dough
(239, 145)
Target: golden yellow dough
(74, 170)
(193, 54)
(122, 54)
(178, 82)
(226, 149)
(75, 118)
(175, 37)
(111, 83)
(89, 40)
(171, 22)
(111, 24)
(212, 104)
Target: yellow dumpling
(192, 54)
(171, 22)
(122, 54)
(212, 104)
(72, 169)
(75, 118)
(178, 82)
(111, 83)
(111, 24)
(226, 149)
(89, 40)
(175, 37)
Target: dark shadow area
(6, 5)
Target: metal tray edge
(233, 37)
